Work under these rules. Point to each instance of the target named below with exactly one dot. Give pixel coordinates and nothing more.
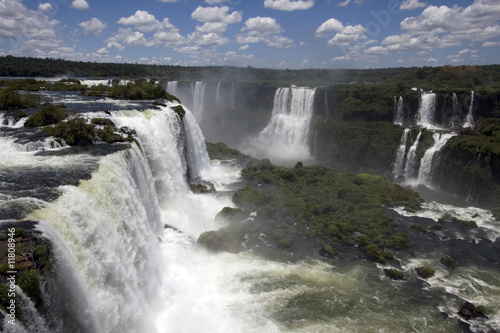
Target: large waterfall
(123, 223)
(428, 162)
(427, 110)
(286, 136)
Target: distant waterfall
(218, 94)
(469, 120)
(198, 89)
(426, 110)
(428, 161)
(173, 87)
(399, 163)
(411, 159)
(398, 113)
(285, 138)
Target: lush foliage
(10, 99)
(425, 272)
(427, 77)
(357, 146)
(471, 163)
(73, 132)
(49, 114)
(320, 204)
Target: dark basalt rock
(448, 262)
(469, 310)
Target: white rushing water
(426, 110)
(135, 276)
(198, 89)
(128, 260)
(428, 160)
(398, 114)
(286, 136)
(469, 119)
(411, 158)
(399, 162)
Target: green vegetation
(49, 114)
(394, 274)
(73, 132)
(426, 77)
(471, 163)
(448, 262)
(419, 227)
(32, 262)
(140, 89)
(320, 205)
(360, 146)
(10, 99)
(180, 111)
(219, 151)
(425, 272)
(29, 282)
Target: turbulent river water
(124, 225)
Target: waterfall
(411, 159)
(428, 161)
(198, 89)
(173, 87)
(196, 151)
(217, 94)
(115, 209)
(286, 137)
(469, 120)
(398, 116)
(399, 162)
(426, 110)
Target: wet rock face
(470, 311)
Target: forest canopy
(431, 77)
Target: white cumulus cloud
(93, 26)
(146, 22)
(216, 14)
(289, 5)
(411, 4)
(80, 4)
(328, 26)
(262, 26)
(45, 7)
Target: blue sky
(259, 33)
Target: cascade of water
(287, 133)
(411, 159)
(399, 162)
(198, 99)
(398, 116)
(173, 87)
(426, 110)
(455, 102)
(428, 161)
(116, 209)
(160, 135)
(469, 120)
(196, 151)
(217, 94)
